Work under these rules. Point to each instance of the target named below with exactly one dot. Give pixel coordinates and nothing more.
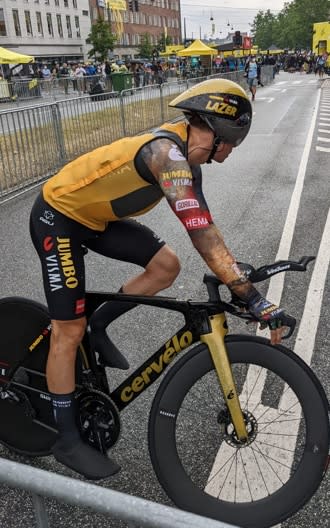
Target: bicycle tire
(183, 446)
(21, 323)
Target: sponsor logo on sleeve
(196, 222)
(182, 205)
(175, 154)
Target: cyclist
(90, 202)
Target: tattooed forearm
(211, 246)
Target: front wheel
(194, 450)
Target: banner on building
(247, 43)
(120, 5)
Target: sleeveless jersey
(109, 183)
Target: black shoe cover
(85, 460)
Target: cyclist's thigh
(58, 240)
(127, 240)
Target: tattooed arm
(182, 187)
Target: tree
(164, 41)
(146, 48)
(101, 39)
(264, 29)
(292, 27)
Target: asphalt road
(249, 196)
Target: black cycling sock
(64, 410)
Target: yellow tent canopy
(11, 57)
(197, 48)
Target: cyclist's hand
(269, 315)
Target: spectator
(46, 77)
(79, 73)
(64, 76)
(252, 76)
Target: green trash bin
(121, 81)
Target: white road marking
(324, 124)
(307, 330)
(323, 149)
(268, 99)
(323, 139)
(324, 118)
(324, 131)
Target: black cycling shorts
(60, 243)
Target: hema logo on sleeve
(182, 205)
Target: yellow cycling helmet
(222, 104)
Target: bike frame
(204, 321)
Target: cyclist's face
(223, 151)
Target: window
(66, 3)
(59, 25)
(50, 24)
(39, 23)
(85, 13)
(3, 31)
(17, 24)
(46, 2)
(57, 3)
(28, 24)
(76, 23)
(74, 3)
(68, 25)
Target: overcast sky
(239, 14)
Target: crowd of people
(82, 77)
(306, 63)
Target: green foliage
(101, 39)
(163, 42)
(292, 27)
(146, 48)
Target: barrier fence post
(40, 511)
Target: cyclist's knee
(68, 334)
(164, 266)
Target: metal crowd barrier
(36, 141)
(131, 509)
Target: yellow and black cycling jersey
(111, 182)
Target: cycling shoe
(85, 460)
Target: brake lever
(290, 322)
(286, 319)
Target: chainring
(99, 420)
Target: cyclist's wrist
(245, 291)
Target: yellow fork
(215, 340)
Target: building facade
(50, 30)
(130, 19)
(56, 30)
